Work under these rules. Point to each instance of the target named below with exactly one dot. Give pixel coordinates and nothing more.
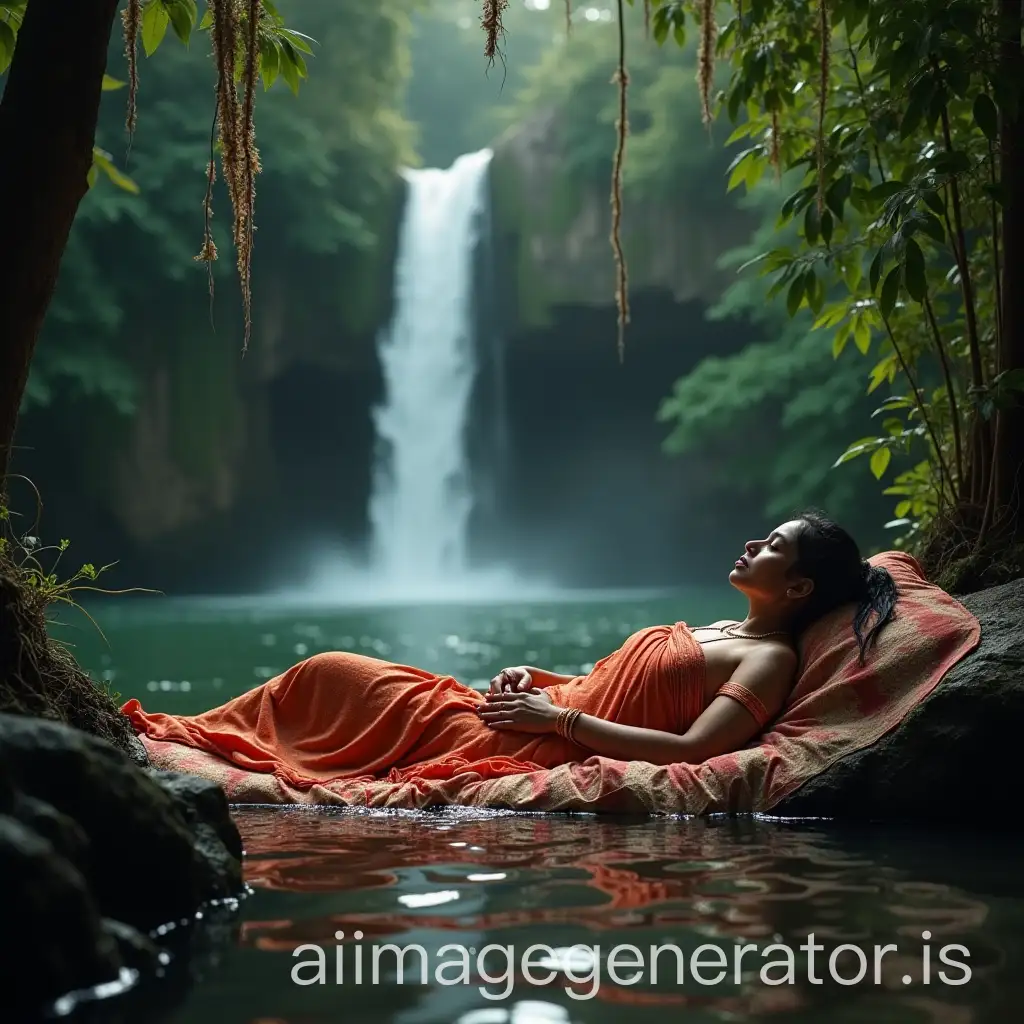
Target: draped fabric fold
(345, 716)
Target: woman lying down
(670, 693)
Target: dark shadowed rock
(64, 833)
(52, 934)
(94, 852)
(152, 857)
(202, 802)
(956, 752)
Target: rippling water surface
(579, 886)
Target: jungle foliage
(898, 126)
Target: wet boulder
(956, 752)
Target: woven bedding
(837, 706)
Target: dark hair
(829, 556)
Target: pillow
(927, 627)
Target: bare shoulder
(771, 660)
(723, 622)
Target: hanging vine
(249, 40)
(621, 129)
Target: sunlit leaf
(155, 20)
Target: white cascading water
(421, 500)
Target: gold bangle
(570, 724)
(565, 722)
(560, 721)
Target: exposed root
(39, 677)
(245, 217)
(494, 30)
(622, 130)
(706, 58)
(953, 557)
(131, 18)
(235, 132)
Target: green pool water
(593, 895)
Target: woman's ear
(800, 589)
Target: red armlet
(748, 699)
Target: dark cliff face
(586, 492)
(565, 450)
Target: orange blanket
(838, 706)
(341, 716)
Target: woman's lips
(741, 563)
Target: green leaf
(155, 20)
(892, 403)
(832, 316)
(183, 15)
(102, 160)
(7, 44)
(913, 271)
(207, 21)
(890, 292)
(986, 116)
(876, 271)
(884, 371)
(289, 71)
(826, 226)
(862, 335)
(270, 60)
(865, 444)
(738, 168)
(842, 335)
(853, 272)
(299, 40)
(814, 289)
(293, 67)
(880, 462)
(837, 194)
(812, 224)
(795, 296)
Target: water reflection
(479, 877)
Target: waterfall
(421, 495)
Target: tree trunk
(1009, 447)
(47, 127)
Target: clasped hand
(519, 711)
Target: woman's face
(765, 568)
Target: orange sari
(345, 716)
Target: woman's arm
(542, 678)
